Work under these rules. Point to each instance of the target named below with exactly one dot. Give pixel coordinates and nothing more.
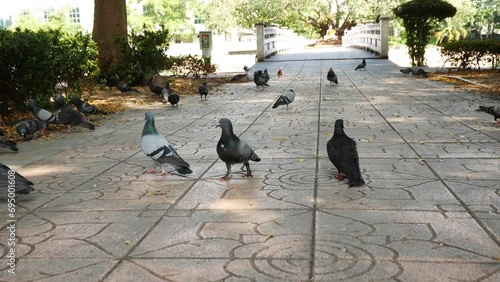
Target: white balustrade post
(384, 38)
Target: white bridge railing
(369, 37)
(271, 40)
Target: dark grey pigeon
(419, 72)
(157, 148)
(68, 116)
(406, 71)
(154, 88)
(120, 85)
(332, 77)
(7, 144)
(361, 66)
(238, 77)
(285, 99)
(203, 90)
(259, 80)
(233, 150)
(344, 156)
(21, 186)
(492, 110)
(42, 114)
(265, 76)
(173, 99)
(29, 128)
(86, 108)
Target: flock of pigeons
(230, 148)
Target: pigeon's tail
(254, 157)
(87, 125)
(356, 181)
(9, 145)
(488, 110)
(183, 169)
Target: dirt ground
(489, 80)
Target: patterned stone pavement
(429, 210)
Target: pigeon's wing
(88, 108)
(246, 152)
(348, 159)
(23, 185)
(289, 96)
(157, 147)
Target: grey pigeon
(68, 116)
(233, 150)
(7, 144)
(42, 114)
(157, 148)
(265, 76)
(120, 85)
(22, 185)
(259, 80)
(238, 77)
(246, 69)
(154, 88)
(285, 99)
(331, 76)
(344, 156)
(203, 90)
(167, 93)
(361, 66)
(406, 71)
(29, 128)
(492, 110)
(86, 108)
(419, 72)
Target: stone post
(384, 38)
(260, 42)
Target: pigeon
(157, 148)
(419, 72)
(42, 114)
(259, 80)
(332, 77)
(265, 76)
(21, 185)
(173, 99)
(165, 91)
(492, 110)
(120, 85)
(233, 150)
(280, 73)
(344, 156)
(406, 71)
(154, 88)
(285, 99)
(361, 66)
(7, 144)
(203, 90)
(68, 116)
(86, 108)
(238, 77)
(29, 128)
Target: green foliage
(419, 17)
(170, 14)
(143, 56)
(218, 15)
(190, 65)
(469, 53)
(58, 19)
(31, 63)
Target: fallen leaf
(280, 139)
(422, 142)
(128, 242)
(301, 160)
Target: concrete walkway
(429, 210)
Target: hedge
(466, 54)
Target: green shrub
(190, 65)
(32, 62)
(143, 56)
(466, 54)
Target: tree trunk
(110, 23)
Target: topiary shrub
(419, 17)
(466, 54)
(32, 62)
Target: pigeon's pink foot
(152, 170)
(498, 122)
(163, 173)
(340, 176)
(224, 178)
(247, 176)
